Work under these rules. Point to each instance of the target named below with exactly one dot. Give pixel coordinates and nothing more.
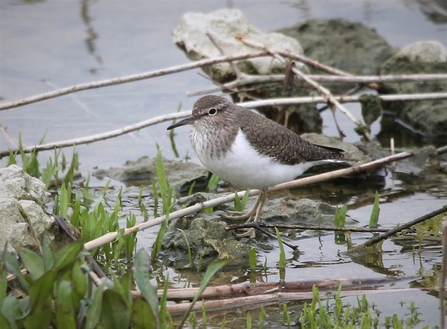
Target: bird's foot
(238, 215)
(247, 233)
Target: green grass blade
(374, 219)
(282, 257)
(211, 270)
(213, 183)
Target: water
(46, 45)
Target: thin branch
(441, 295)
(363, 79)
(304, 227)
(260, 288)
(325, 92)
(102, 136)
(251, 302)
(402, 227)
(109, 237)
(379, 78)
(236, 70)
(131, 78)
(250, 104)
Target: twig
(443, 275)
(400, 228)
(131, 78)
(98, 137)
(364, 79)
(236, 70)
(250, 104)
(109, 237)
(379, 78)
(305, 227)
(260, 288)
(326, 93)
(273, 236)
(311, 62)
(250, 302)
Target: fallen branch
(260, 288)
(250, 104)
(361, 128)
(99, 137)
(363, 79)
(400, 228)
(109, 237)
(251, 302)
(305, 227)
(441, 294)
(131, 78)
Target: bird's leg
(248, 215)
(250, 232)
(260, 204)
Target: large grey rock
(15, 183)
(22, 219)
(179, 174)
(348, 46)
(204, 235)
(424, 57)
(225, 26)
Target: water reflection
(91, 34)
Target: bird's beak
(186, 121)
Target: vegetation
(60, 290)
(336, 314)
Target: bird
(249, 150)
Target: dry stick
(257, 79)
(443, 275)
(305, 227)
(310, 62)
(364, 79)
(331, 100)
(109, 237)
(259, 288)
(131, 78)
(379, 78)
(251, 104)
(236, 70)
(325, 92)
(251, 302)
(400, 228)
(102, 136)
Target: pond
(47, 45)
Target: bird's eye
(212, 111)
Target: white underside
(243, 166)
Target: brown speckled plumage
(249, 150)
(266, 136)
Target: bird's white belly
(243, 166)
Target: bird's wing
(274, 140)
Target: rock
(207, 240)
(426, 117)
(16, 184)
(179, 174)
(205, 235)
(348, 46)
(300, 211)
(225, 26)
(21, 200)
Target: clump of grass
(364, 315)
(213, 183)
(239, 204)
(374, 219)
